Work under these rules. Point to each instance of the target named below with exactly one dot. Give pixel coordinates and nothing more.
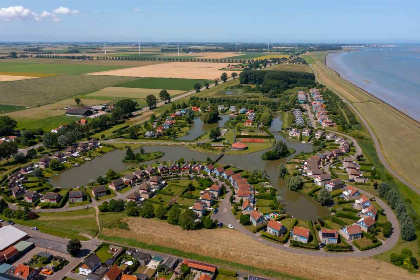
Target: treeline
(340, 112)
(249, 103)
(277, 81)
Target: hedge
(313, 191)
(347, 215)
(350, 209)
(313, 246)
(338, 221)
(338, 248)
(254, 136)
(227, 272)
(346, 201)
(374, 245)
(282, 239)
(257, 229)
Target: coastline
(370, 94)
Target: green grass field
(42, 91)
(9, 108)
(248, 55)
(50, 68)
(163, 83)
(46, 124)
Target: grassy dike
(197, 257)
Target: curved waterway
(296, 204)
(198, 128)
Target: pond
(198, 128)
(296, 204)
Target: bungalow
(9, 254)
(243, 111)
(75, 196)
(354, 174)
(350, 165)
(113, 274)
(338, 152)
(44, 162)
(117, 185)
(170, 263)
(140, 174)
(314, 160)
(220, 107)
(134, 197)
(306, 132)
(314, 172)
(156, 180)
(247, 207)
(145, 187)
(216, 190)
(345, 147)
(70, 150)
(90, 265)
(142, 257)
(294, 132)
(200, 268)
(209, 168)
(234, 178)
(369, 212)
(228, 173)
(149, 134)
(300, 234)
(257, 218)
(31, 196)
(207, 198)
(25, 272)
(244, 185)
(244, 195)
(362, 202)
(199, 208)
(27, 169)
(350, 193)
(327, 123)
(197, 167)
(51, 197)
(186, 168)
(248, 123)
(352, 232)
(218, 171)
(150, 170)
(319, 134)
(321, 180)
(146, 195)
(174, 167)
(328, 155)
(334, 184)
(276, 228)
(162, 168)
(232, 108)
(366, 223)
(99, 191)
(328, 236)
(129, 179)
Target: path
(375, 141)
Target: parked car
(34, 228)
(220, 225)
(47, 271)
(1, 220)
(11, 222)
(230, 226)
(216, 210)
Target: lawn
(10, 108)
(163, 83)
(103, 254)
(46, 123)
(34, 92)
(225, 277)
(186, 201)
(51, 68)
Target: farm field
(301, 265)
(247, 55)
(41, 91)
(9, 108)
(187, 70)
(268, 56)
(163, 83)
(125, 92)
(290, 67)
(388, 123)
(22, 66)
(100, 62)
(9, 78)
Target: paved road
(375, 141)
(225, 216)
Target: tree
(216, 82)
(7, 126)
(73, 247)
(408, 232)
(19, 158)
(13, 55)
(282, 170)
(197, 87)
(31, 153)
(173, 215)
(131, 209)
(38, 172)
(50, 140)
(55, 165)
(208, 223)
(8, 149)
(244, 220)
(129, 154)
(161, 212)
(224, 77)
(324, 197)
(383, 189)
(206, 84)
(127, 106)
(294, 183)
(77, 100)
(111, 174)
(215, 133)
(147, 210)
(164, 95)
(151, 101)
(234, 75)
(187, 219)
(3, 205)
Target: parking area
(49, 244)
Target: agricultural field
(9, 108)
(10, 78)
(97, 62)
(247, 55)
(269, 56)
(22, 66)
(126, 92)
(171, 238)
(183, 70)
(290, 67)
(163, 83)
(41, 91)
(387, 122)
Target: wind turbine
(105, 47)
(268, 47)
(139, 49)
(178, 49)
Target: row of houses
(298, 117)
(306, 132)
(319, 108)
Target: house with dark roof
(321, 180)
(129, 179)
(135, 197)
(300, 234)
(328, 236)
(90, 264)
(75, 196)
(117, 185)
(32, 196)
(142, 257)
(79, 112)
(334, 184)
(51, 197)
(99, 191)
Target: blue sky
(317, 21)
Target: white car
(230, 226)
(1, 220)
(34, 228)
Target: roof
(202, 266)
(23, 270)
(324, 177)
(370, 209)
(51, 195)
(204, 277)
(351, 190)
(9, 252)
(220, 169)
(5, 267)
(99, 189)
(198, 206)
(329, 233)
(275, 225)
(78, 111)
(236, 176)
(215, 187)
(239, 145)
(118, 182)
(114, 272)
(243, 193)
(10, 235)
(229, 172)
(128, 277)
(354, 229)
(92, 261)
(245, 204)
(300, 231)
(207, 196)
(23, 245)
(255, 215)
(363, 199)
(142, 256)
(369, 221)
(75, 194)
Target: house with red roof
(207, 198)
(201, 268)
(10, 253)
(216, 190)
(218, 171)
(300, 234)
(276, 228)
(25, 272)
(366, 223)
(350, 193)
(369, 212)
(328, 236)
(362, 202)
(209, 168)
(228, 173)
(352, 232)
(199, 208)
(256, 218)
(247, 207)
(113, 274)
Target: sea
(391, 74)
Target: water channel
(296, 204)
(198, 128)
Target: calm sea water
(391, 74)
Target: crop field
(269, 56)
(183, 70)
(10, 78)
(116, 62)
(41, 91)
(9, 108)
(163, 83)
(302, 265)
(22, 66)
(394, 130)
(291, 67)
(125, 92)
(247, 55)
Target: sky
(276, 21)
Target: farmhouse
(79, 112)
(328, 236)
(300, 234)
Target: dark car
(216, 210)
(11, 222)
(220, 225)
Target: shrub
(294, 243)
(338, 248)
(227, 272)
